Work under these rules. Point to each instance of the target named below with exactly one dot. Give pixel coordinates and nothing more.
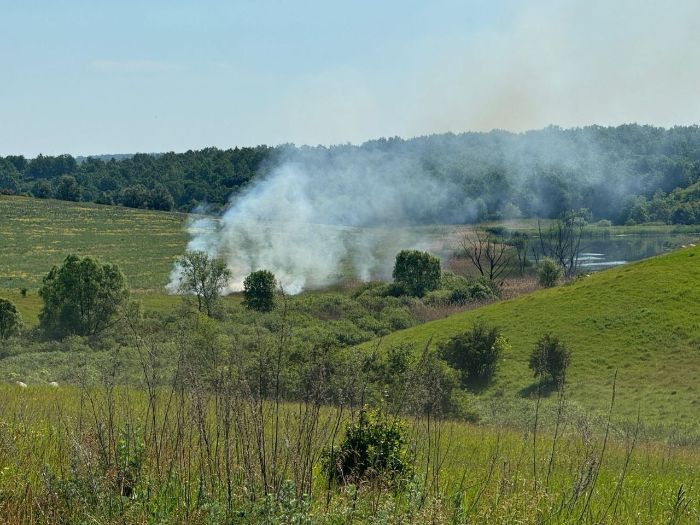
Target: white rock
(21, 385)
(53, 384)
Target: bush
(373, 447)
(397, 318)
(549, 359)
(10, 319)
(438, 298)
(475, 353)
(259, 291)
(548, 272)
(418, 271)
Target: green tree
(10, 319)
(548, 272)
(259, 291)
(42, 189)
(68, 189)
(160, 198)
(475, 353)
(550, 359)
(81, 297)
(203, 276)
(136, 196)
(418, 271)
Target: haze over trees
(628, 174)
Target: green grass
(37, 234)
(641, 320)
(52, 469)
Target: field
(620, 446)
(93, 456)
(641, 320)
(36, 234)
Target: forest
(629, 174)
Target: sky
(97, 77)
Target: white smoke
(317, 219)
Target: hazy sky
(111, 77)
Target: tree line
(627, 174)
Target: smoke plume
(324, 215)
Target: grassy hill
(642, 320)
(36, 234)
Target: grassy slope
(36, 234)
(641, 320)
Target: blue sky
(98, 77)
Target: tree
(68, 189)
(42, 189)
(259, 291)
(487, 253)
(548, 272)
(549, 359)
(203, 276)
(160, 198)
(418, 271)
(10, 319)
(475, 353)
(136, 196)
(81, 297)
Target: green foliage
(549, 359)
(374, 446)
(10, 319)
(259, 291)
(42, 189)
(418, 271)
(475, 353)
(548, 272)
(68, 189)
(205, 277)
(81, 297)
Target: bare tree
(489, 255)
(562, 240)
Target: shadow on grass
(545, 389)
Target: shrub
(418, 271)
(10, 319)
(604, 223)
(259, 291)
(397, 318)
(475, 353)
(373, 447)
(548, 272)
(438, 298)
(549, 359)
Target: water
(599, 253)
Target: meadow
(37, 234)
(187, 421)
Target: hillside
(641, 320)
(36, 234)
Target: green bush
(475, 353)
(373, 447)
(550, 359)
(418, 271)
(397, 318)
(10, 319)
(438, 298)
(548, 272)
